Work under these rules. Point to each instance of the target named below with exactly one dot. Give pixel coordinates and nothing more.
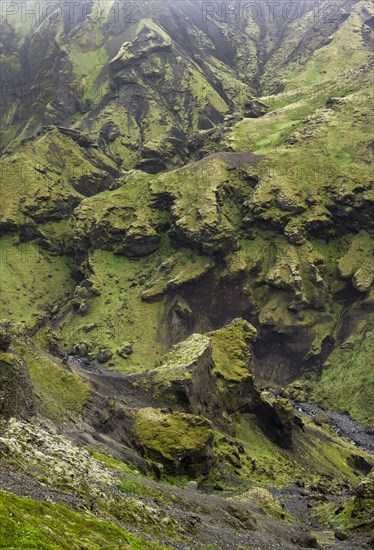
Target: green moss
(27, 523)
(111, 462)
(59, 392)
(184, 354)
(231, 352)
(346, 51)
(315, 458)
(45, 176)
(31, 279)
(358, 262)
(147, 37)
(195, 210)
(59, 235)
(347, 381)
(352, 514)
(130, 487)
(121, 220)
(171, 436)
(119, 312)
(183, 267)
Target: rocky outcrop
(113, 220)
(178, 270)
(16, 390)
(212, 375)
(208, 375)
(276, 417)
(181, 442)
(254, 109)
(149, 39)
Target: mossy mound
(358, 262)
(27, 523)
(48, 176)
(182, 442)
(120, 220)
(196, 214)
(146, 39)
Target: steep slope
(186, 244)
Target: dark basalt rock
(276, 417)
(255, 109)
(191, 376)
(16, 392)
(5, 339)
(104, 355)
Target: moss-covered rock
(47, 177)
(358, 262)
(147, 38)
(182, 442)
(231, 350)
(181, 268)
(197, 216)
(209, 375)
(120, 220)
(354, 514)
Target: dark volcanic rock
(16, 392)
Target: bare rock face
(5, 339)
(16, 393)
(276, 416)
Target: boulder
(104, 355)
(125, 350)
(181, 442)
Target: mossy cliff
(186, 244)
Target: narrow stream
(359, 434)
